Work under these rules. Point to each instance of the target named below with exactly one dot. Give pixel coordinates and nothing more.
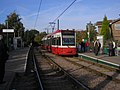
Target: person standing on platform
(87, 44)
(3, 57)
(110, 48)
(97, 46)
(79, 47)
(82, 46)
(113, 50)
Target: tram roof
(57, 31)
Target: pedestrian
(97, 46)
(79, 47)
(113, 50)
(3, 57)
(87, 44)
(110, 48)
(82, 46)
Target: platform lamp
(52, 24)
(47, 30)
(7, 32)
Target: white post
(7, 33)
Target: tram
(44, 44)
(60, 42)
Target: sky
(76, 17)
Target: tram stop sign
(8, 30)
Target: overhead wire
(38, 13)
(63, 12)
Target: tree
(26, 38)
(33, 33)
(92, 32)
(13, 21)
(80, 35)
(39, 37)
(30, 35)
(105, 31)
(2, 26)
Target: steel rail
(26, 61)
(111, 77)
(77, 82)
(37, 71)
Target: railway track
(92, 75)
(28, 80)
(44, 74)
(55, 77)
(52, 72)
(102, 70)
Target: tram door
(58, 44)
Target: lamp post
(7, 32)
(52, 24)
(58, 24)
(46, 29)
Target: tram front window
(68, 40)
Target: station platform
(16, 63)
(112, 61)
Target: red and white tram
(61, 42)
(44, 43)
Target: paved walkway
(112, 59)
(16, 63)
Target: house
(114, 27)
(99, 25)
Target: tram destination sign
(8, 30)
(66, 32)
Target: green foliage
(80, 35)
(26, 37)
(13, 21)
(93, 34)
(33, 33)
(39, 37)
(30, 35)
(105, 31)
(2, 26)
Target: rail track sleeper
(64, 76)
(107, 73)
(101, 77)
(74, 80)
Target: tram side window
(59, 40)
(53, 41)
(48, 41)
(44, 42)
(56, 41)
